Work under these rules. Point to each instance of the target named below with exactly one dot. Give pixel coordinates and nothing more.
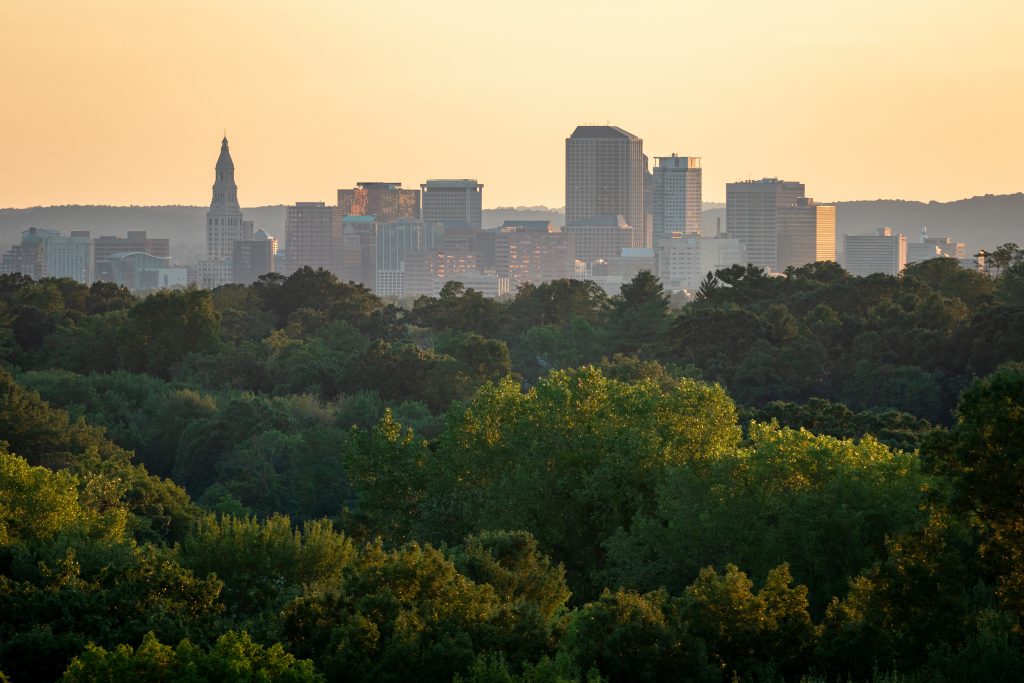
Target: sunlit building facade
(387, 201)
(676, 196)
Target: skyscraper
(387, 201)
(313, 237)
(604, 175)
(752, 216)
(676, 196)
(224, 219)
(453, 202)
(47, 253)
(807, 233)
(882, 252)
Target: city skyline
(904, 102)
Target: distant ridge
(982, 222)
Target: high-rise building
(752, 216)
(532, 251)
(252, 258)
(676, 196)
(939, 247)
(453, 201)
(47, 253)
(807, 233)
(599, 237)
(604, 175)
(683, 262)
(224, 219)
(313, 237)
(394, 241)
(136, 241)
(882, 252)
(359, 250)
(387, 201)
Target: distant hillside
(981, 222)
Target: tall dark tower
(224, 225)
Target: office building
(359, 250)
(938, 247)
(599, 237)
(224, 223)
(807, 234)
(676, 196)
(394, 241)
(683, 262)
(426, 272)
(313, 237)
(142, 272)
(447, 201)
(387, 201)
(135, 241)
(883, 252)
(532, 251)
(604, 175)
(47, 253)
(752, 216)
(252, 258)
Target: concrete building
(807, 234)
(882, 252)
(359, 250)
(224, 218)
(453, 200)
(387, 201)
(395, 241)
(628, 264)
(426, 272)
(676, 196)
(683, 262)
(252, 258)
(313, 237)
(600, 237)
(135, 241)
(47, 253)
(926, 248)
(142, 272)
(532, 251)
(604, 175)
(752, 215)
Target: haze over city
(117, 102)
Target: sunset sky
(125, 101)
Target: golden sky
(125, 101)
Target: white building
(676, 196)
(224, 223)
(683, 262)
(47, 253)
(883, 252)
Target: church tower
(224, 224)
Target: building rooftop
(610, 219)
(451, 182)
(605, 132)
(526, 226)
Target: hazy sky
(125, 101)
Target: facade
(427, 271)
(313, 237)
(210, 273)
(387, 201)
(676, 196)
(599, 237)
(224, 223)
(252, 258)
(882, 252)
(394, 241)
(359, 250)
(453, 200)
(752, 215)
(139, 271)
(532, 251)
(626, 266)
(105, 246)
(47, 253)
(604, 175)
(683, 262)
(807, 234)
(936, 247)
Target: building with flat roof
(604, 175)
(387, 201)
(105, 246)
(807, 234)
(676, 196)
(752, 215)
(313, 237)
(883, 252)
(532, 251)
(452, 200)
(47, 253)
(599, 237)
(252, 258)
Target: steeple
(225, 192)
(224, 224)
